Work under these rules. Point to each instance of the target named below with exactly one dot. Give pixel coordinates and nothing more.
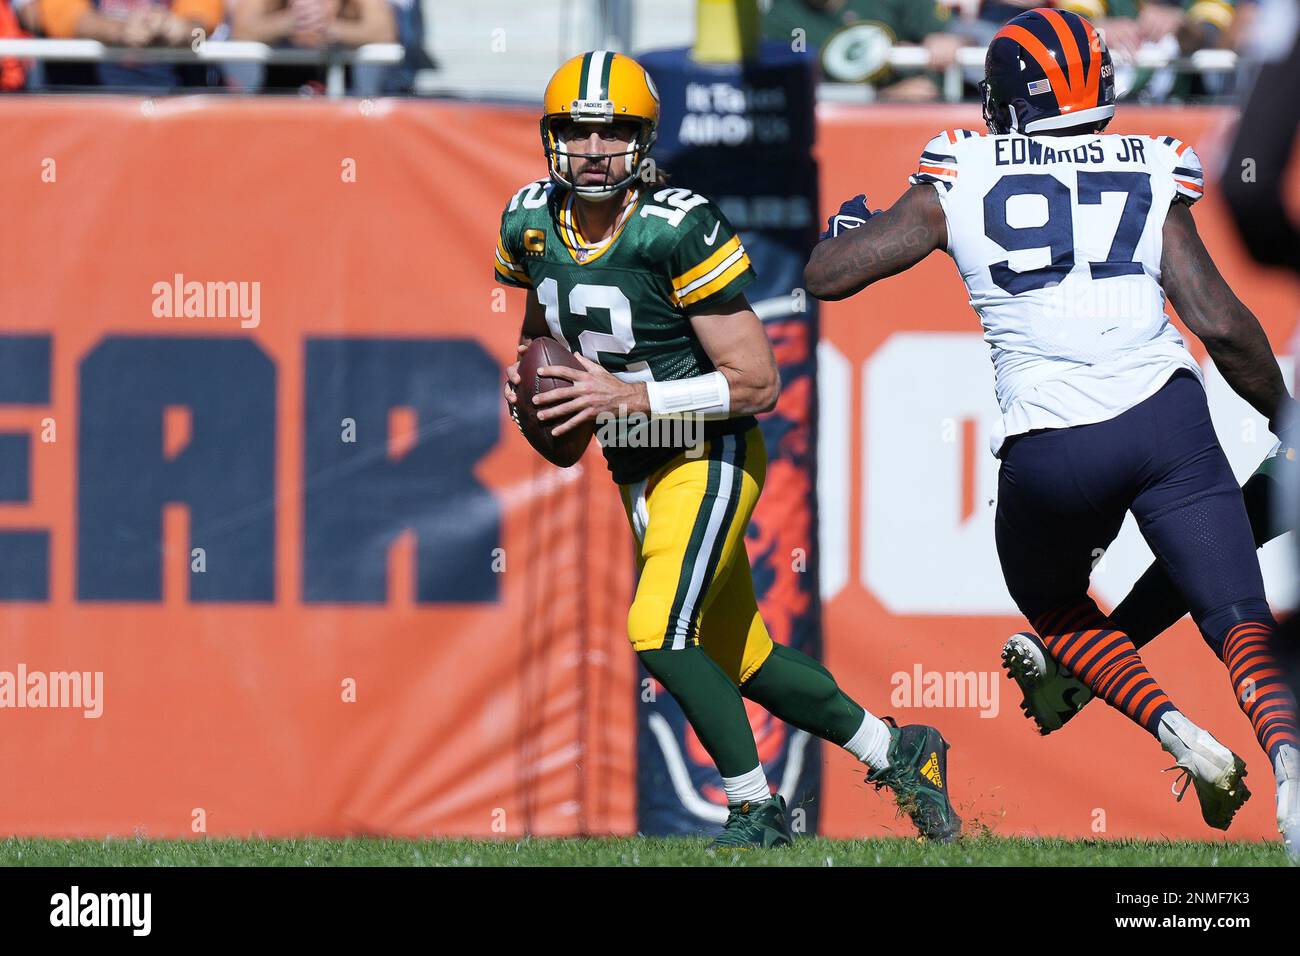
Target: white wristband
(708, 396)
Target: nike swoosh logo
(708, 240)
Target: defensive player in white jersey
(1068, 242)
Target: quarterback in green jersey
(644, 283)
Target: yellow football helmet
(600, 87)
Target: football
(569, 447)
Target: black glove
(853, 213)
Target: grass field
(630, 851)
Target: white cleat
(1052, 695)
(1215, 771)
(1287, 768)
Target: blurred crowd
(302, 24)
(853, 38)
(846, 32)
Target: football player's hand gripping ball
(512, 380)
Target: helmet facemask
(998, 117)
(560, 157)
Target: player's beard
(603, 165)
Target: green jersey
(626, 303)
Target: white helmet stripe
(592, 92)
(1068, 120)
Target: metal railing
(972, 58)
(389, 54)
(210, 51)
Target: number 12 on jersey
(1056, 233)
(620, 340)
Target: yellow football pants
(689, 518)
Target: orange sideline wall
(511, 716)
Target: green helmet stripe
(604, 76)
(582, 78)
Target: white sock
(871, 742)
(1287, 765)
(751, 787)
(1174, 730)
(1287, 770)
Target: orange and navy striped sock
(1259, 685)
(1105, 659)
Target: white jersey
(1058, 239)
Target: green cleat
(918, 775)
(751, 827)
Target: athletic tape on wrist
(706, 395)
